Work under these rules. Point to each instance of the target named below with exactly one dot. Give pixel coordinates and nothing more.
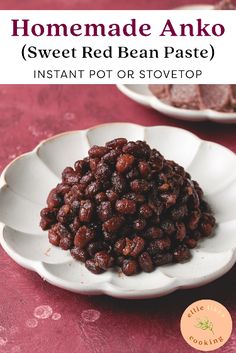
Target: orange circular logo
(206, 325)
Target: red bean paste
(126, 206)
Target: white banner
(107, 47)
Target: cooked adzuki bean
(139, 198)
(53, 237)
(132, 174)
(104, 211)
(163, 244)
(79, 254)
(112, 195)
(81, 167)
(111, 157)
(119, 183)
(179, 212)
(194, 218)
(128, 247)
(190, 242)
(156, 205)
(125, 205)
(162, 259)
(64, 214)
(83, 237)
(140, 185)
(145, 211)
(196, 234)
(181, 253)
(154, 233)
(118, 142)
(95, 247)
(156, 160)
(93, 163)
(130, 267)
(144, 169)
(119, 246)
(86, 211)
(145, 262)
(124, 163)
(66, 243)
(56, 233)
(48, 218)
(138, 245)
(168, 199)
(86, 179)
(102, 173)
(168, 226)
(104, 260)
(153, 247)
(54, 199)
(97, 151)
(207, 223)
(62, 189)
(69, 176)
(100, 197)
(93, 267)
(92, 189)
(138, 149)
(181, 231)
(133, 247)
(139, 224)
(113, 224)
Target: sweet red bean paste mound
(125, 205)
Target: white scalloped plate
(26, 182)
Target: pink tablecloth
(29, 114)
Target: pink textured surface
(29, 114)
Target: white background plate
(26, 182)
(142, 95)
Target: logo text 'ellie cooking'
(206, 325)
